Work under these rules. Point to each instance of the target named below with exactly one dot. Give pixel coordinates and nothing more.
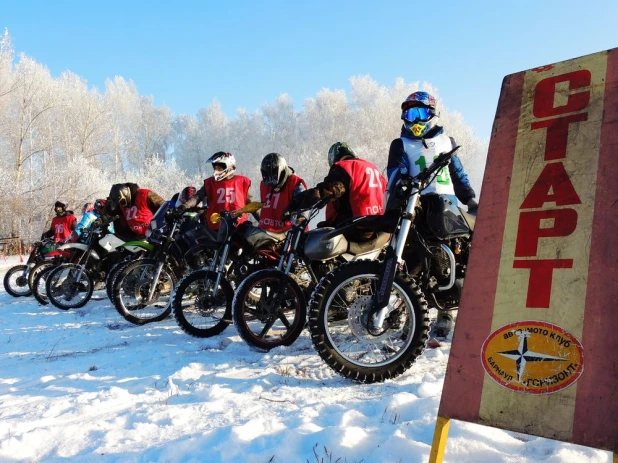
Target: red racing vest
(226, 195)
(367, 187)
(138, 216)
(63, 226)
(275, 203)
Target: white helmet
(226, 161)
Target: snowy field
(85, 385)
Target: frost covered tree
(63, 139)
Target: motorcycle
(279, 315)
(70, 285)
(202, 301)
(16, 278)
(38, 275)
(142, 288)
(387, 323)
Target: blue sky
(246, 53)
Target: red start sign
(535, 348)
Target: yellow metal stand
(439, 440)
(615, 457)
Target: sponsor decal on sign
(532, 357)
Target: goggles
(418, 113)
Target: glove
(472, 205)
(306, 199)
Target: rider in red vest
(353, 187)
(278, 186)
(224, 191)
(135, 207)
(62, 225)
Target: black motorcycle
(142, 288)
(202, 301)
(16, 278)
(278, 315)
(70, 285)
(387, 322)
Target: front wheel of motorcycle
(277, 317)
(67, 289)
(198, 309)
(38, 288)
(338, 314)
(132, 289)
(16, 281)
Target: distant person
(135, 207)
(62, 225)
(278, 187)
(223, 191)
(353, 188)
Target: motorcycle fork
(161, 262)
(392, 259)
(220, 269)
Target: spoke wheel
(197, 309)
(40, 277)
(132, 288)
(338, 320)
(278, 315)
(16, 281)
(65, 291)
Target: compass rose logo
(532, 357)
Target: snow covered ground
(85, 385)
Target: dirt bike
(16, 278)
(38, 275)
(202, 301)
(280, 313)
(70, 285)
(142, 288)
(387, 322)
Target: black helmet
(99, 206)
(338, 151)
(275, 171)
(119, 195)
(61, 204)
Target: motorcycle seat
(367, 246)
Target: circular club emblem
(533, 357)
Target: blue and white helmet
(419, 115)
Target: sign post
(535, 347)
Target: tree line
(61, 139)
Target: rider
(88, 218)
(278, 186)
(224, 191)
(135, 206)
(421, 141)
(353, 188)
(62, 225)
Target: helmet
(275, 171)
(418, 112)
(61, 204)
(99, 205)
(186, 194)
(227, 163)
(119, 195)
(338, 151)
